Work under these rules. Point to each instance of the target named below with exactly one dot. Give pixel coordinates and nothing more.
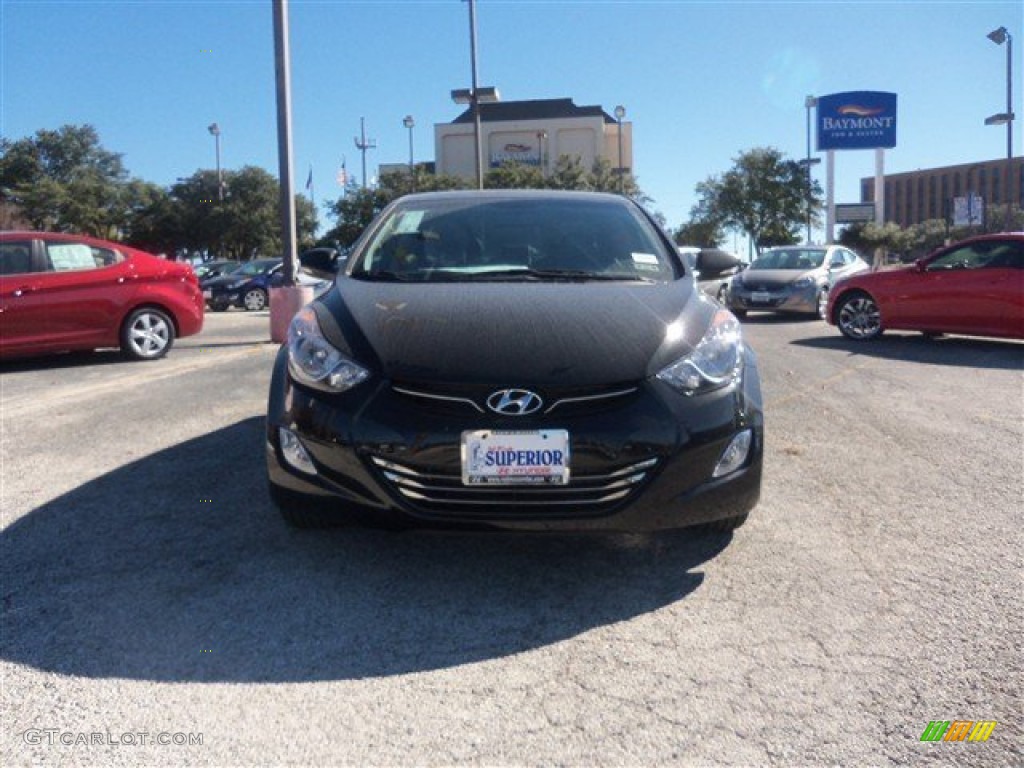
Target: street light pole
(363, 144)
(620, 112)
(475, 100)
(410, 123)
(809, 103)
(999, 36)
(214, 130)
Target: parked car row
(247, 285)
(465, 370)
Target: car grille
(442, 494)
(564, 402)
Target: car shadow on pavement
(176, 567)
(66, 360)
(959, 351)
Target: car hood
(224, 280)
(773, 278)
(562, 335)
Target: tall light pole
(809, 103)
(410, 123)
(541, 136)
(1000, 36)
(620, 112)
(363, 144)
(476, 99)
(214, 130)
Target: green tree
(569, 173)
(244, 225)
(354, 211)
(764, 195)
(513, 175)
(703, 233)
(64, 180)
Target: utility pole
(363, 144)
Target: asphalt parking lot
(150, 588)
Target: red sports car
(974, 287)
(62, 292)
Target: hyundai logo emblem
(514, 402)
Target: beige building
(534, 132)
(917, 196)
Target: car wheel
(147, 334)
(858, 317)
(728, 525)
(219, 307)
(739, 312)
(822, 304)
(255, 299)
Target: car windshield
(789, 259)
(252, 268)
(459, 239)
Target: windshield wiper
(571, 275)
(385, 276)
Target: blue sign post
(856, 120)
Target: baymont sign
(857, 120)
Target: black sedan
(517, 360)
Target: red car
(61, 293)
(974, 287)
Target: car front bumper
(802, 300)
(642, 464)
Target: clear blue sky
(701, 81)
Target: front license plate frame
(760, 297)
(515, 457)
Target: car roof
(515, 194)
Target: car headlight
(715, 362)
(803, 282)
(314, 361)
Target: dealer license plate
(529, 457)
(760, 298)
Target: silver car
(794, 278)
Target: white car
(793, 278)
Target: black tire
(739, 312)
(254, 300)
(146, 334)
(858, 317)
(219, 307)
(728, 525)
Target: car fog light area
(294, 451)
(734, 454)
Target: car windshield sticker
(647, 262)
(408, 221)
(70, 256)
